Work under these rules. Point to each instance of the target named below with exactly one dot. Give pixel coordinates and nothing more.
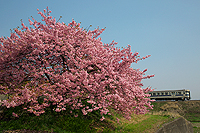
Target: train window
(166, 93)
(179, 93)
(162, 93)
(154, 94)
(187, 93)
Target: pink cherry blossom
(15, 115)
(67, 65)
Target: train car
(170, 95)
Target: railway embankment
(186, 115)
(190, 110)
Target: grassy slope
(65, 122)
(163, 112)
(147, 123)
(190, 110)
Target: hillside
(163, 112)
(65, 122)
(190, 110)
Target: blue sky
(168, 30)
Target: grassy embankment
(190, 110)
(51, 121)
(66, 123)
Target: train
(183, 95)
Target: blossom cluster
(69, 66)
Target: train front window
(187, 93)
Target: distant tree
(69, 66)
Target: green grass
(50, 120)
(157, 105)
(193, 114)
(148, 125)
(196, 127)
(64, 122)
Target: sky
(168, 30)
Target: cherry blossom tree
(69, 66)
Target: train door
(173, 94)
